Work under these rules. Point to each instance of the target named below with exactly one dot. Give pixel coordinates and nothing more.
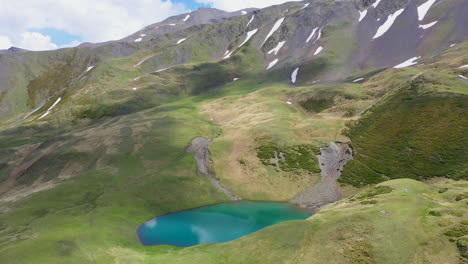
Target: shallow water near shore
(216, 223)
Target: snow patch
(227, 56)
(388, 24)
(358, 80)
(161, 70)
(464, 66)
(453, 45)
(426, 26)
(89, 68)
(276, 26)
(277, 48)
(272, 64)
(243, 12)
(142, 35)
(181, 40)
(186, 18)
(311, 35)
(289, 102)
(172, 25)
(249, 36)
(235, 79)
(137, 78)
(376, 3)
(305, 6)
(362, 15)
(294, 75)
(422, 9)
(50, 108)
(134, 88)
(138, 40)
(250, 21)
(318, 37)
(407, 63)
(138, 64)
(319, 49)
(463, 77)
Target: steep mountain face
(319, 41)
(308, 102)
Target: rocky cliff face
(332, 160)
(199, 146)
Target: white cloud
(231, 5)
(36, 41)
(93, 20)
(5, 42)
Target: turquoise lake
(216, 223)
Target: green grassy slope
(417, 132)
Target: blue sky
(192, 5)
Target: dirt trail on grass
(332, 160)
(199, 146)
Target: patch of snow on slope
(134, 88)
(142, 35)
(294, 75)
(311, 35)
(181, 40)
(137, 78)
(319, 49)
(388, 24)
(250, 21)
(276, 26)
(243, 12)
(50, 108)
(172, 25)
(138, 64)
(272, 64)
(89, 68)
(305, 6)
(426, 26)
(407, 63)
(463, 77)
(422, 9)
(249, 36)
(138, 40)
(226, 53)
(453, 45)
(186, 18)
(358, 80)
(277, 48)
(376, 3)
(362, 15)
(227, 56)
(318, 37)
(235, 79)
(289, 102)
(161, 70)
(464, 66)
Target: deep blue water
(216, 223)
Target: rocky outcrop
(332, 160)
(199, 146)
